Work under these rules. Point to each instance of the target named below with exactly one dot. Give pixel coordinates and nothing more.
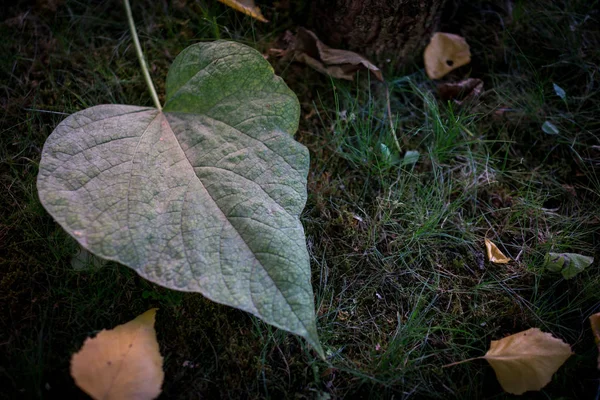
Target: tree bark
(386, 31)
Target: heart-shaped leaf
(203, 196)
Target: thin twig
(45, 111)
(460, 362)
(389, 112)
(138, 50)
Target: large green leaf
(201, 197)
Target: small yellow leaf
(444, 53)
(121, 363)
(527, 360)
(247, 7)
(494, 254)
(595, 321)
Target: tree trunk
(386, 31)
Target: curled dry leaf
(306, 47)
(444, 53)
(494, 254)
(121, 363)
(247, 7)
(595, 322)
(465, 90)
(527, 360)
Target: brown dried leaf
(342, 64)
(247, 7)
(494, 254)
(444, 53)
(121, 363)
(595, 322)
(465, 90)
(527, 360)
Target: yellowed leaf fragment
(247, 7)
(527, 360)
(494, 254)
(121, 363)
(595, 321)
(444, 53)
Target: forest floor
(402, 282)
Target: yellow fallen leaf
(121, 363)
(494, 254)
(595, 321)
(444, 53)
(247, 7)
(527, 360)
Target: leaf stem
(389, 112)
(460, 362)
(138, 50)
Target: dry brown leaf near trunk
(459, 92)
(444, 53)
(247, 7)
(306, 47)
(121, 363)
(595, 322)
(527, 360)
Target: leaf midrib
(234, 227)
